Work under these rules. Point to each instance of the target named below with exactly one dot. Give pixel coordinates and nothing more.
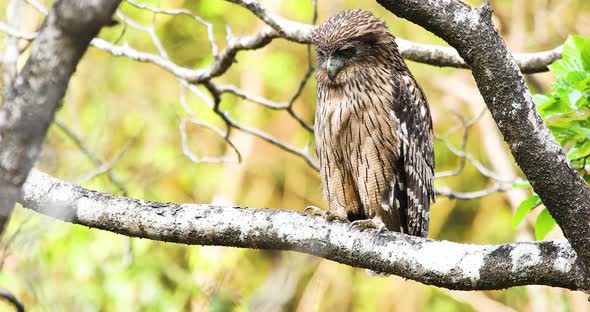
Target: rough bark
(472, 33)
(434, 262)
(36, 91)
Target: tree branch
(472, 32)
(8, 296)
(529, 63)
(422, 53)
(79, 142)
(418, 52)
(441, 263)
(38, 88)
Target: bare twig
(108, 166)
(184, 137)
(466, 126)
(303, 153)
(16, 33)
(500, 184)
(209, 26)
(497, 187)
(486, 172)
(294, 31)
(11, 52)
(79, 142)
(8, 296)
(8, 241)
(37, 7)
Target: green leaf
(566, 110)
(585, 55)
(540, 99)
(572, 47)
(552, 107)
(523, 209)
(544, 224)
(563, 67)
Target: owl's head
(349, 41)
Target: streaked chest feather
(354, 112)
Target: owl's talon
(366, 224)
(326, 214)
(316, 211)
(329, 216)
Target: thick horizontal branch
(441, 263)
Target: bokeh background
(115, 104)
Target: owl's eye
(346, 52)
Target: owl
(373, 130)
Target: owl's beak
(332, 67)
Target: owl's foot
(333, 216)
(326, 214)
(315, 211)
(368, 224)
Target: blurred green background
(114, 101)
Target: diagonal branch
(36, 91)
(294, 31)
(472, 32)
(441, 263)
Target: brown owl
(373, 130)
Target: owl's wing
(411, 188)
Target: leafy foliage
(566, 112)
